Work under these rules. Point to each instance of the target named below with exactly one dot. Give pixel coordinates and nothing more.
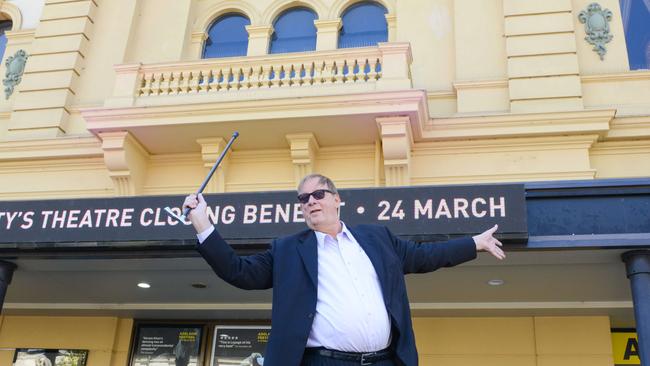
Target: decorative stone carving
(15, 67)
(596, 21)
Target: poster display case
(167, 345)
(50, 357)
(239, 345)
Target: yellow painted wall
(106, 338)
(521, 341)
(430, 29)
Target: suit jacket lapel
(373, 253)
(308, 250)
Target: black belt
(367, 358)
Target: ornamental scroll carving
(596, 21)
(15, 66)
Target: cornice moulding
(528, 124)
(441, 95)
(20, 36)
(56, 194)
(624, 76)
(59, 165)
(386, 103)
(506, 177)
(621, 147)
(64, 147)
(480, 84)
(629, 128)
(504, 145)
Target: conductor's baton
(186, 211)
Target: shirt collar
(320, 236)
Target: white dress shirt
(350, 312)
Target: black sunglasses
(318, 194)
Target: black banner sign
(410, 211)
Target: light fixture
(495, 282)
(144, 285)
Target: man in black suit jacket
(339, 296)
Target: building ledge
(335, 120)
(53, 148)
(519, 124)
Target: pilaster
(543, 67)
(126, 161)
(55, 63)
(259, 39)
(211, 148)
(197, 41)
(327, 35)
(397, 142)
(391, 22)
(304, 148)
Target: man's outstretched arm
(427, 257)
(251, 272)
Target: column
(197, 41)
(55, 63)
(391, 22)
(6, 273)
(637, 264)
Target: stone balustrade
(383, 67)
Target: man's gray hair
(321, 180)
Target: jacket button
(311, 315)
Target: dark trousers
(317, 360)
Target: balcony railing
(382, 67)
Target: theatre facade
(437, 119)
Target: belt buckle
(364, 355)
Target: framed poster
(167, 345)
(50, 357)
(239, 345)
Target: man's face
(323, 213)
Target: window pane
(364, 24)
(227, 37)
(5, 25)
(636, 21)
(294, 31)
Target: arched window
(364, 24)
(636, 22)
(5, 25)
(227, 37)
(294, 31)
